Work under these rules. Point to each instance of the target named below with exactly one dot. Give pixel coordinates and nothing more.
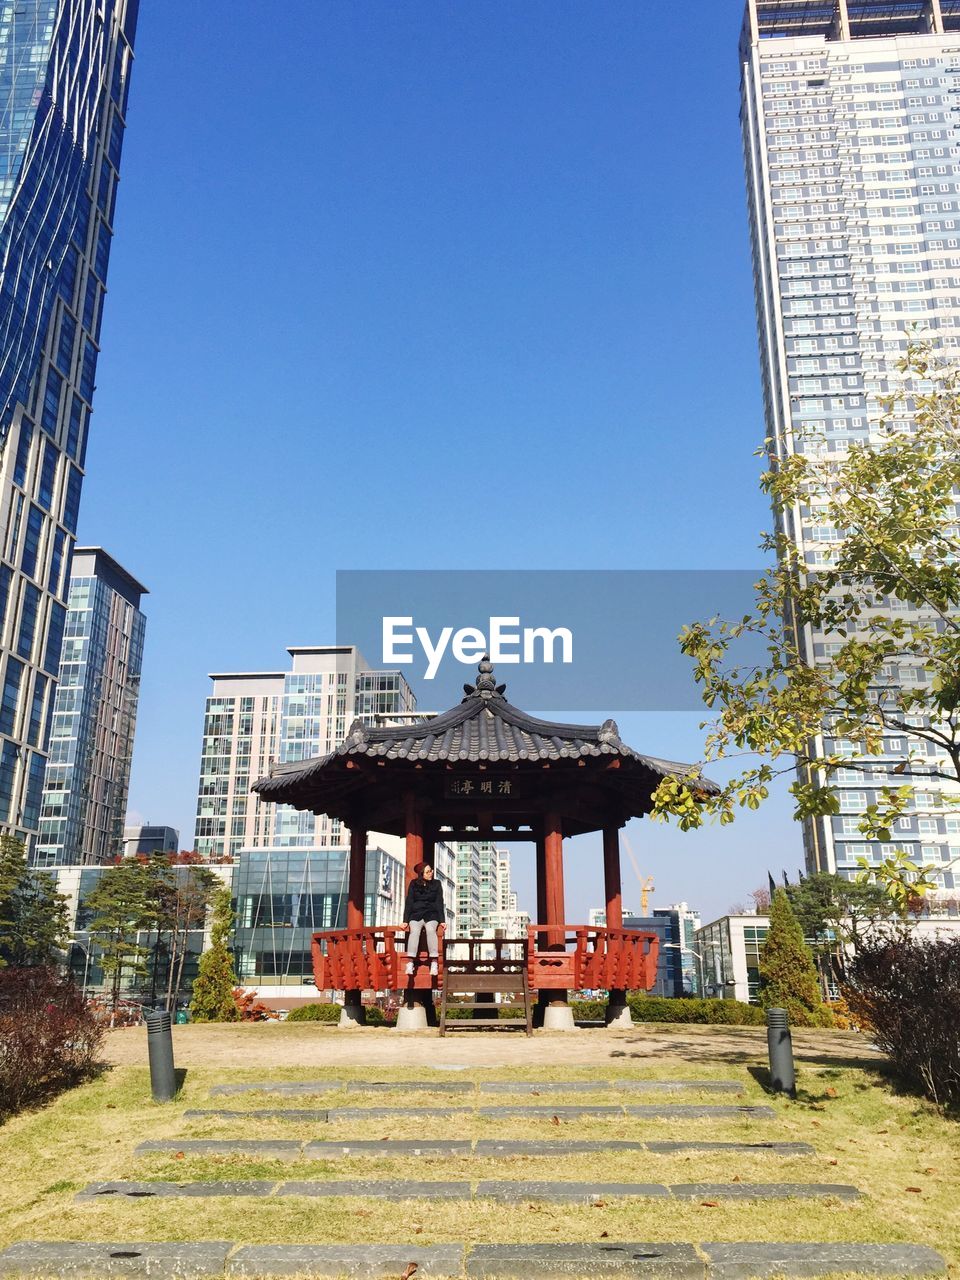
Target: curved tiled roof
(483, 729)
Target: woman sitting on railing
(423, 912)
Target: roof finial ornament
(357, 732)
(486, 686)
(609, 733)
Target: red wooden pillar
(553, 879)
(358, 877)
(611, 877)
(541, 884)
(617, 996)
(356, 888)
(414, 825)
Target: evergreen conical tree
(120, 909)
(788, 976)
(33, 915)
(213, 986)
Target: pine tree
(120, 907)
(788, 976)
(33, 915)
(213, 986)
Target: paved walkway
(264, 1045)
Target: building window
(31, 541)
(11, 695)
(51, 401)
(28, 619)
(71, 503)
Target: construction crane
(646, 885)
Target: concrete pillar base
(558, 1017)
(411, 1018)
(618, 1015)
(353, 1015)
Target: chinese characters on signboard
(480, 788)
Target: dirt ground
(272, 1045)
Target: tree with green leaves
(887, 600)
(788, 976)
(215, 981)
(34, 927)
(120, 907)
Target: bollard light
(780, 1050)
(163, 1080)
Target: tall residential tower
(94, 715)
(64, 75)
(850, 112)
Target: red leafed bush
(49, 1037)
(250, 1008)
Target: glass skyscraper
(850, 113)
(91, 743)
(64, 76)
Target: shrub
(376, 1016)
(505, 1012)
(315, 1013)
(249, 1008)
(908, 993)
(49, 1037)
(213, 988)
(695, 1009)
(788, 976)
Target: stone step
(302, 1115)
(601, 1086)
(727, 1261)
(532, 1111)
(495, 1148)
(510, 1191)
(484, 1148)
(304, 1088)
(701, 1262)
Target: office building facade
(64, 76)
(850, 115)
(484, 897)
(290, 869)
(256, 719)
(94, 715)
(148, 839)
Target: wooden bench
(484, 967)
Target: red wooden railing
(596, 959)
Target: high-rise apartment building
(850, 113)
(290, 869)
(256, 719)
(94, 715)
(485, 899)
(64, 76)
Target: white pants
(413, 938)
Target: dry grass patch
(899, 1151)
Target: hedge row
(315, 1013)
(643, 1009)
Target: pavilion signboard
(479, 786)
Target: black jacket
(424, 901)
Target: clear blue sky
(425, 285)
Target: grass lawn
(902, 1153)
